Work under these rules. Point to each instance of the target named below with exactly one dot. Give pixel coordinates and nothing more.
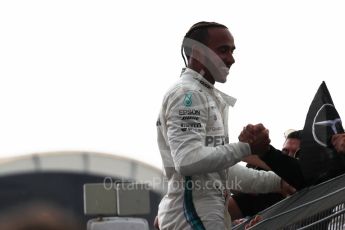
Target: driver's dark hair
(198, 32)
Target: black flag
(319, 160)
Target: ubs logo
(326, 123)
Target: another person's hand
(257, 136)
(286, 189)
(338, 141)
(239, 221)
(247, 135)
(254, 160)
(253, 222)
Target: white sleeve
(186, 137)
(249, 180)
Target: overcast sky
(91, 75)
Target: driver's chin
(221, 78)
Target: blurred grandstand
(57, 178)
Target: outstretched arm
(249, 180)
(286, 167)
(187, 137)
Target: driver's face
(220, 56)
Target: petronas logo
(188, 100)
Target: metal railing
(318, 207)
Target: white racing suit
(199, 163)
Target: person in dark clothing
(290, 169)
(244, 204)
